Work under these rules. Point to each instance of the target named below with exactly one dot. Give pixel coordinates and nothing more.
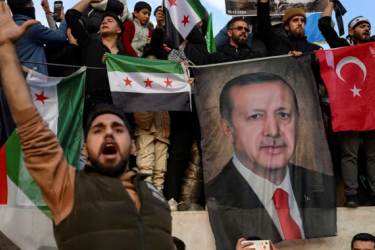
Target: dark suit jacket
(235, 211)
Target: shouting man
(106, 206)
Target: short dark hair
(180, 245)
(120, 24)
(142, 5)
(363, 237)
(107, 109)
(18, 4)
(156, 10)
(231, 22)
(226, 105)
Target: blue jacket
(31, 46)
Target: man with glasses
(237, 49)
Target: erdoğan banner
(349, 76)
(267, 167)
(278, 7)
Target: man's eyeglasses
(240, 28)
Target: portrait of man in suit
(259, 192)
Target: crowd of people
(166, 143)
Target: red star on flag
(172, 2)
(168, 83)
(186, 20)
(127, 82)
(40, 97)
(148, 83)
(357, 19)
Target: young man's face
(264, 125)
(143, 16)
(363, 245)
(109, 145)
(296, 26)
(361, 33)
(109, 26)
(238, 34)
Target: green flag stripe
(198, 8)
(211, 46)
(134, 65)
(13, 156)
(69, 126)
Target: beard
(358, 37)
(113, 171)
(297, 33)
(239, 41)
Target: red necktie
(290, 228)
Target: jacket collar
(297, 38)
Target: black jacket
(235, 211)
(105, 217)
(279, 44)
(282, 45)
(333, 40)
(97, 88)
(230, 53)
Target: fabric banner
(349, 78)
(267, 166)
(140, 84)
(24, 217)
(278, 7)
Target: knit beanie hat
(357, 21)
(292, 13)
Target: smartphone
(57, 10)
(258, 244)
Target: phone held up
(57, 10)
(258, 244)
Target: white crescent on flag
(350, 59)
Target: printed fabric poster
(267, 167)
(278, 7)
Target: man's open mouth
(109, 148)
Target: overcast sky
(217, 7)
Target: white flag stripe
(138, 85)
(177, 14)
(49, 110)
(26, 221)
(39, 80)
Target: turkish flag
(349, 75)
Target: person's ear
(351, 32)
(226, 128)
(118, 31)
(133, 148)
(230, 32)
(286, 26)
(85, 151)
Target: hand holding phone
(58, 6)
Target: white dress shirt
(265, 189)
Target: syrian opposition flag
(349, 76)
(180, 18)
(24, 217)
(139, 84)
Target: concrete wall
(194, 229)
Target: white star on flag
(356, 91)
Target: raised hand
(45, 6)
(10, 32)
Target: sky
(217, 8)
